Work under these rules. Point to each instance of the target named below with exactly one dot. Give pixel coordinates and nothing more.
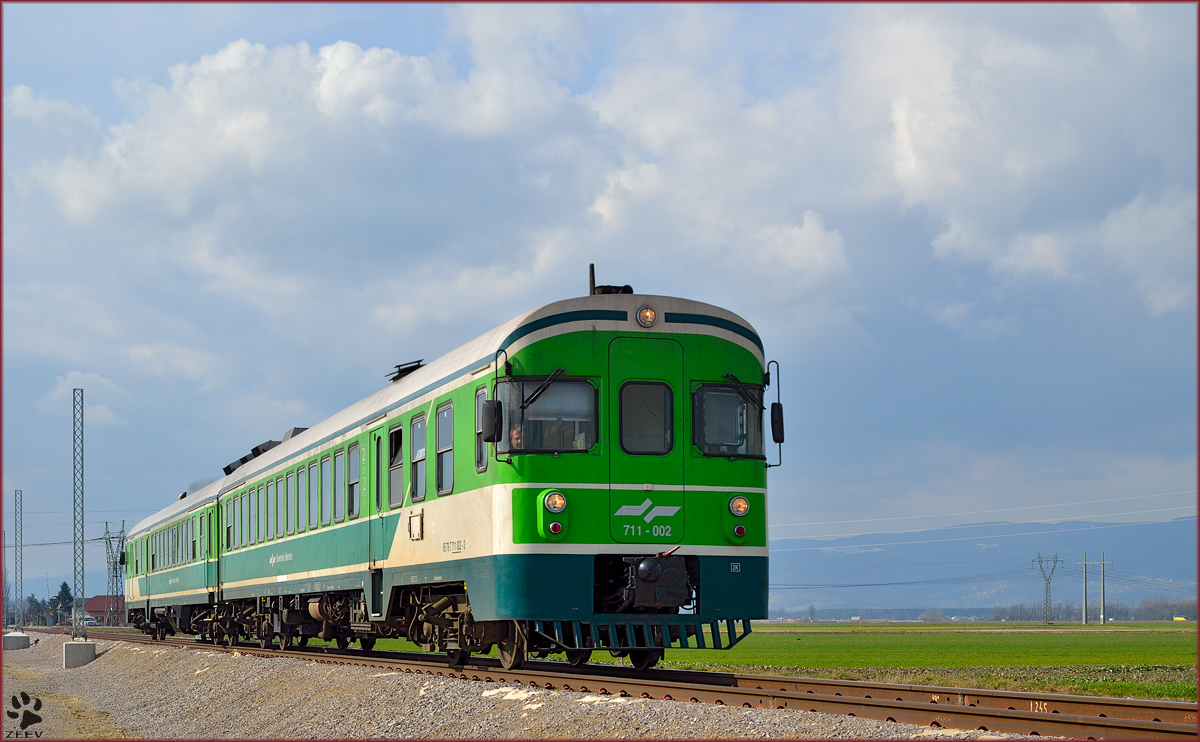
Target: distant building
(94, 607)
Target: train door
(644, 413)
(208, 547)
(377, 461)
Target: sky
(966, 232)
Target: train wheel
(458, 657)
(342, 641)
(512, 648)
(644, 659)
(161, 633)
(366, 643)
(578, 657)
(285, 642)
(302, 641)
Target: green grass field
(1141, 660)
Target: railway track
(1079, 717)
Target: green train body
(395, 517)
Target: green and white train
(588, 475)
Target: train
(590, 475)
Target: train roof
(605, 312)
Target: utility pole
(1085, 564)
(78, 630)
(114, 544)
(1041, 562)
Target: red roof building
(94, 607)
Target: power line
(981, 512)
(992, 525)
(959, 538)
(1016, 574)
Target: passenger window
(245, 524)
(280, 500)
(481, 457)
(396, 467)
(255, 523)
(647, 422)
(326, 491)
(301, 498)
(339, 487)
(228, 528)
(289, 503)
(203, 541)
(314, 494)
(352, 477)
(270, 524)
(445, 449)
(417, 445)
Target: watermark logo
(24, 708)
(665, 511)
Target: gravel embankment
(134, 690)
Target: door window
(647, 418)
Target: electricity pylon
(1041, 562)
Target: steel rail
(1079, 717)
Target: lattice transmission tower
(1041, 562)
(18, 558)
(77, 627)
(114, 545)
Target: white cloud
(98, 394)
(174, 359)
(1154, 242)
(959, 317)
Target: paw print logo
(27, 717)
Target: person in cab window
(558, 437)
(515, 438)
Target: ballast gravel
(164, 692)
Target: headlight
(555, 502)
(739, 506)
(646, 316)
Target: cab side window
(396, 467)
(445, 449)
(416, 444)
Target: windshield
(725, 423)
(561, 418)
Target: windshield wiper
(545, 385)
(745, 391)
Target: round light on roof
(555, 502)
(646, 316)
(739, 506)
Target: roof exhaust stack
(594, 290)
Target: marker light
(646, 316)
(738, 530)
(556, 528)
(555, 503)
(739, 506)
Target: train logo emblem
(665, 511)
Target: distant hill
(984, 564)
